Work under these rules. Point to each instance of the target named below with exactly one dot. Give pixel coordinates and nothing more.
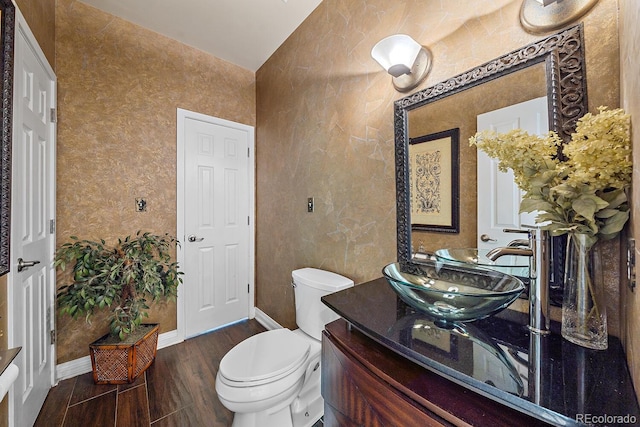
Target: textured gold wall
(118, 89)
(325, 128)
(630, 92)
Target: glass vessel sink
(508, 264)
(449, 292)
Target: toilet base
(284, 417)
(309, 415)
(280, 418)
(308, 407)
(299, 406)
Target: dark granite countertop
(546, 377)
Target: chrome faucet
(537, 250)
(496, 253)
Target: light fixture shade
(404, 58)
(396, 54)
(545, 16)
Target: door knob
(193, 238)
(22, 264)
(487, 238)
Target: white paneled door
(216, 211)
(498, 195)
(32, 277)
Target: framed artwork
(433, 182)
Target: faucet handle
(515, 230)
(519, 243)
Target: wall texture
(630, 93)
(118, 89)
(325, 129)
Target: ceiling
(243, 32)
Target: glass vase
(584, 315)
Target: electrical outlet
(141, 205)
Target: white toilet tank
(310, 284)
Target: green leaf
(532, 205)
(606, 213)
(587, 205)
(615, 198)
(615, 224)
(123, 275)
(566, 190)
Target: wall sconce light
(406, 60)
(544, 16)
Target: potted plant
(122, 278)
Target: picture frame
(434, 190)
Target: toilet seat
(264, 358)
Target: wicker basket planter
(121, 362)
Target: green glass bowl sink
(452, 293)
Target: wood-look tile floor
(178, 389)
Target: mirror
(7, 12)
(553, 66)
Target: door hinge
(248, 152)
(54, 115)
(248, 220)
(52, 226)
(53, 336)
(248, 288)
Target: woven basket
(122, 362)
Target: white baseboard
(266, 321)
(167, 339)
(80, 366)
(73, 368)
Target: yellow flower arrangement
(584, 194)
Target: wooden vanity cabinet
(366, 384)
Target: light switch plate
(141, 205)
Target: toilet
(272, 379)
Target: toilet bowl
(272, 379)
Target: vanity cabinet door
(366, 384)
(353, 396)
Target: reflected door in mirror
(498, 195)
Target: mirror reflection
(461, 111)
(551, 70)
(466, 348)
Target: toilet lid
(266, 355)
